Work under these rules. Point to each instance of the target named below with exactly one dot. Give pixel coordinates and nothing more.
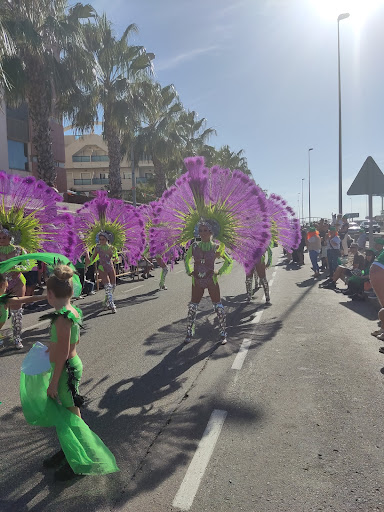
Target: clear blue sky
(264, 75)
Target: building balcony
(91, 181)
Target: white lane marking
(258, 315)
(241, 355)
(190, 485)
(243, 351)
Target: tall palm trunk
(40, 109)
(114, 153)
(160, 180)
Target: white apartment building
(87, 164)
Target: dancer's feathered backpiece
(230, 200)
(29, 213)
(285, 227)
(122, 223)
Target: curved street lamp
(339, 18)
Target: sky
(263, 73)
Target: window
(104, 175)
(76, 158)
(18, 155)
(148, 175)
(99, 158)
(85, 175)
(82, 182)
(127, 176)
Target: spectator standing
(343, 234)
(314, 248)
(337, 221)
(333, 250)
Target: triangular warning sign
(369, 181)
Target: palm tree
(115, 90)
(228, 159)
(46, 37)
(158, 136)
(193, 133)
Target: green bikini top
(66, 313)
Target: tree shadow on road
(130, 417)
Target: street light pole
(298, 205)
(339, 18)
(302, 200)
(309, 184)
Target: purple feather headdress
(284, 225)
(230, 198)
(170, 254)
(123, 223)
(29, 212)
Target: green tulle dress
(83, 449)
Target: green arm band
(227, 265)
(269, 262)
(187, 260)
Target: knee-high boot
(164, 272)
(109, 297)
(248, 287)
(191, 318)
(17, 321)
(221, 316)
(265, 285)
(257, 285)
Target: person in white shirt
(333, 250)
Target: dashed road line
(195, 472)
(241, 355)
(243, 351)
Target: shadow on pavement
(130, 417)
(361, 308)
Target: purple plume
(127, 220)
(36, 198)
(231, 198)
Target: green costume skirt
(83, 449)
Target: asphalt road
(286, 417)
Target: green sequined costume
(83, 449)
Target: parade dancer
(29, 222)
(229, 211)
(82, 452)
(170, 255)
(109, 227)
(8, 300)
(204, 276)
(259, 272)
(285, 231)
(164, 272)
(106, 255)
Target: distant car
(375, 226)
(353, 229)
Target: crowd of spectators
(347, 260)
(339, 257)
